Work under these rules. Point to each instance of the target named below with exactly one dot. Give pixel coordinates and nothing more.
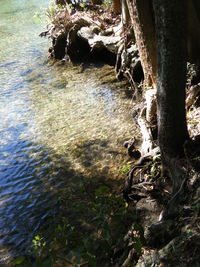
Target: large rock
(108, 42)
(99, 42)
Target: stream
(58, 122)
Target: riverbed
(58, 123)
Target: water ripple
(57, 124)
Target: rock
(59, 45)
(102, 47)
(160, 233)
(77, 48)
(128, 64)
(86, 33)
(108, 42)
(182, 251)
(148, 210)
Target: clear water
(57, 122)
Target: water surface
(58, 123)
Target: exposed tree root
(145, 129)
(167, 242)
(182, 251)
(127, 191)
(148, 149)
(192, 94)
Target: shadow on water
(28, 199)
(29, 183)
(41, 189)
(90, 152)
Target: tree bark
(116, 6)
(125, 14)
(141, 13)
(171, 36)
(96, 2)
(194, 31)
(60, 2)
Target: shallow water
(58, 122)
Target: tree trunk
(194, 31)
(60, 2)
(125, 14)
(194, 37)
(116, 6)
(171, 35)
(96, 2)
(141, 13)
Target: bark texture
(96, 2)
(141, 13)
(60, 2)
(125, 14)
(171, 35)
(194, 31)
(116, 6)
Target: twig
(133, 83)
(141, 185)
